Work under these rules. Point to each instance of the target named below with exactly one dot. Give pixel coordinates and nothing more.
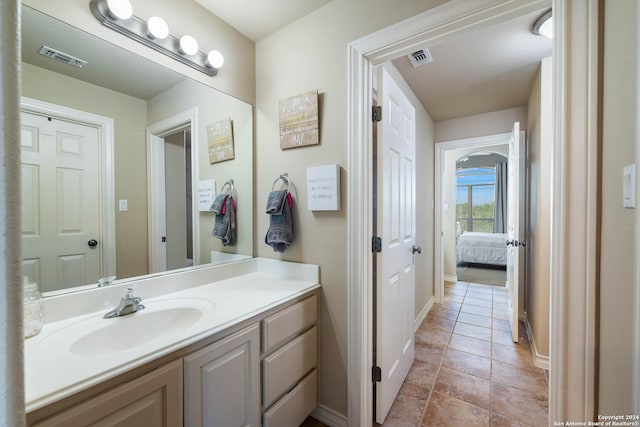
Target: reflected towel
(280, 233)
(224, 227)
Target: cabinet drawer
(284, 368)
(282, 326)
(295, 406)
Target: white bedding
(482, 248)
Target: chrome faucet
(128, 304)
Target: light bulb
(188, 45)
(120, 9)
(157, 28)
(546, 29)
(215, 59)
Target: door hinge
(377, 114)
(163, 239)
(376, 374)
(376, 244)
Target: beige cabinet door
(153, 400)
(222, 382)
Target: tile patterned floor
(467, 370)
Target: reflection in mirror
(113, 157)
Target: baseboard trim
(423, 313)
(329, 416)
(448, 278)
(538, 359)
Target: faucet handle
(128, 293)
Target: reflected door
(61, 241)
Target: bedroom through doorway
(480, 214)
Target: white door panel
(60, 202)
(396, 224)
(515, 217)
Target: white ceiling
(488, 70)
(259, 18)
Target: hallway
(467, 371)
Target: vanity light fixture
(118, 15)
(543, 26)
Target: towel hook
(229, 184)
(284, 178)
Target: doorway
(178, 199)
(173, 170)
(402, 39)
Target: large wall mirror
(116, 166)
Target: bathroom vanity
(239, 350)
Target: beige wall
(539, 146)
(236, 78)
(617, 246)
(307, 55)
(213, 106)
(480, 125)
(130, 118)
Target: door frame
(574, 175)
(441, 148)
(106, 142)
(156, 187)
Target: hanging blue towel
(280, 233)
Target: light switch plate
(629, 187)
(123, 205)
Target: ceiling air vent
(62, 57)
(420, 57)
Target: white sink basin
(161, 321)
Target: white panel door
(60, 202)
(395, 281)
(515, 220)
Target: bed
(481, 248)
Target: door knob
(92, 243)
(417, 249)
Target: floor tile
(498, 420)
(470, 345)
(424, 373)
(432, 336)
(487, 296)
(469, 388)
(439, 311)
(409, 406)
(474, 319)
(312, 422)
(480, 288)
(519, 355)
(501, 325)
(519, 405)
(429, 353)
(455, 291)
(444, 410)
(503, 337)
(448, 305)
(453, 298)
(530, 380)
(479, 302)
(501, 314)
(472, 331)
(467, 363)
(474, 309)
(440, 323)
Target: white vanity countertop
(53, 370)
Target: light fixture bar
(136, 29)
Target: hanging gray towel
(280, 233)
(224, 227)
